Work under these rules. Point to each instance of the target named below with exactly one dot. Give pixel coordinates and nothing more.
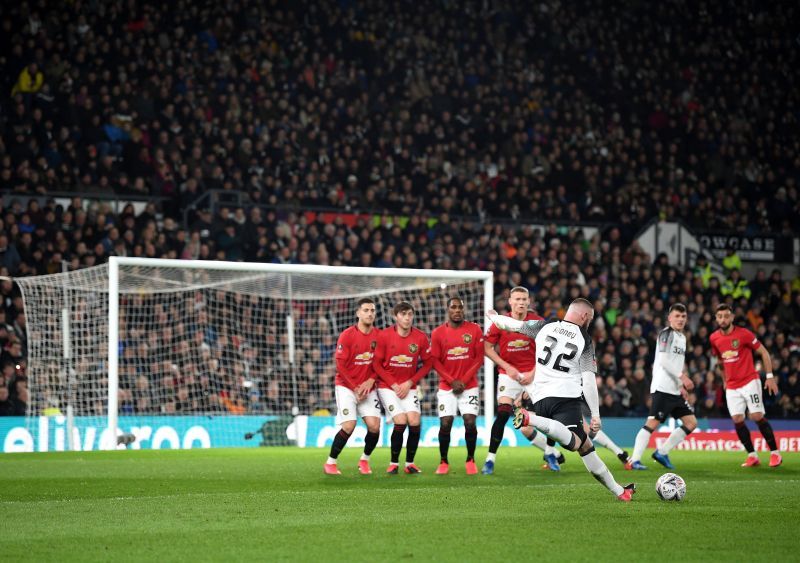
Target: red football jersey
(735, 351)
(354, 351)
(514, 347)
(457, 354)
(397, 357)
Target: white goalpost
(122, 347)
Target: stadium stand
(457, 124)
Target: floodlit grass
(275, 504)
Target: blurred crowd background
(399, 134)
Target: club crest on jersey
(373, 344)
(413, 348)
(734, 343)
(467, 338)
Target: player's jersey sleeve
(714, 349)
(493, 335)
(343, 352)
(751, 339)
(532, 328)
(587, 362)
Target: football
(671, 487)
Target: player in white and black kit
(565, 376)
(667, 391)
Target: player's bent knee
(755, 416)
(400, 419)
(350, 425)
(504, 401)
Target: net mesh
(207, 341)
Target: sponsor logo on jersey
(467, 338)
(364, 356)
(413, 348)
(401, 359)
(457, 351)
(519, 344)
(729, 355)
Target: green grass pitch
(276, 504)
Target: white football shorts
(451, 404)
(748, 397)
(394, 405)
(508, 387)
(349, 408)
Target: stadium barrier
(188, 432)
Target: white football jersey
(564, 351)
(668, 363)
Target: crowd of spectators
(455, 123)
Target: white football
(671, 487)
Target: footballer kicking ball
(671, 487)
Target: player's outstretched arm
(503, 322)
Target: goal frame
(115, 262)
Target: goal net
(118, 347)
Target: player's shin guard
(444, 444)
(556, 431)
(504, 412)
(370, 441)
(413, 441)
(744, 436)
(397, 441)
(339, 442)
(642, 439)
(674, 439)
(597, 468)
(471, 438)
(602, 439)
(766, 430)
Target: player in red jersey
(734, 346)
(457, 350)
(401, 349)
(515, 357)
(355, 382)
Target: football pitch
(276, 504)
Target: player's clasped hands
(402, 389)
(526, 378)
(458, 386)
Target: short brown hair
(402, 307)
(724, 307)
(364, 301)
(520, 289)
(680, 307)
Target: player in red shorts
(401, 349)
(734, 346)
(457, 350)
(355, 386)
